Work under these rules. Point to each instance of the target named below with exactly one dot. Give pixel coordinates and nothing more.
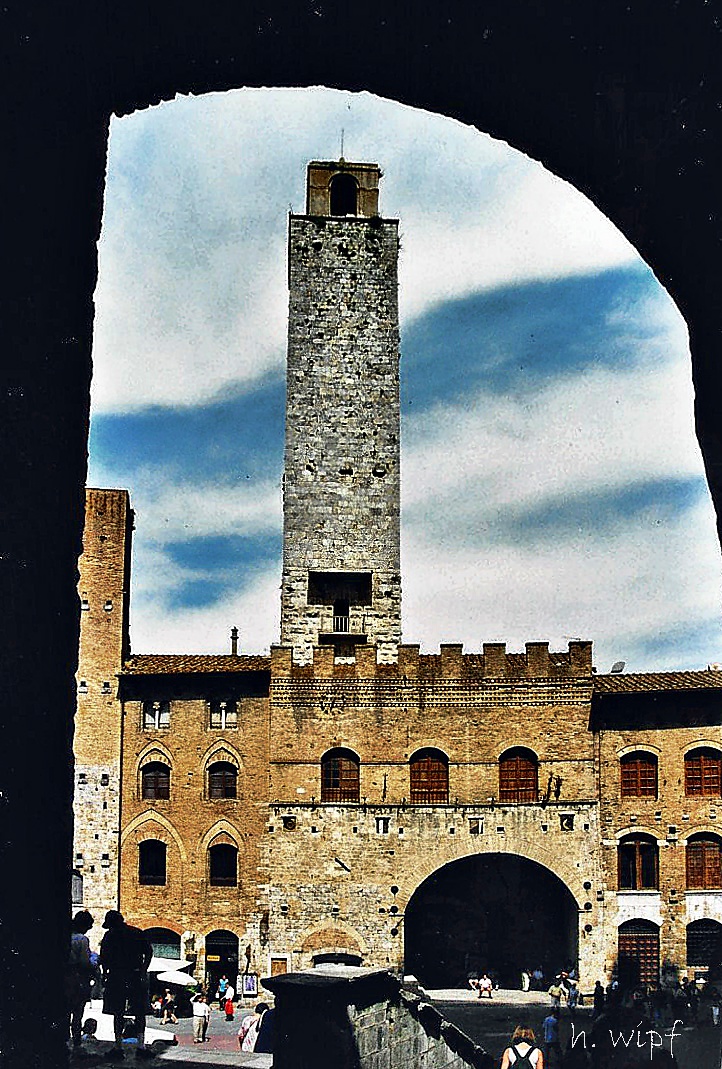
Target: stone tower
(341, 557)
(104, 589)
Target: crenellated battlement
(493, 663)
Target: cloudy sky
(552, 484)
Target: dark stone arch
(619, 100)
(498, 913)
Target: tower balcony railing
(351, 626)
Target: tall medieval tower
(104, 590)
(341, 582)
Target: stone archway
(494, 912)
(623, 105)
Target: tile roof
(155, 664)
(636, 682)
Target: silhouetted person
(125, 955)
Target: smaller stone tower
(341, 581)
(104, 589)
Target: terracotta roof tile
(636, 682)
(155, 664)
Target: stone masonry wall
(104, 590)
(342, 479)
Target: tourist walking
(522, 1052)
(550, 1028)
(168, 1008)
(125, 955)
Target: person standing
(222, 985)
(265, 1040)
(201, 1017)
(248, 1032)
(599, 1000)
(79, 975)
(550, 1026)
(556, 991)
(572, 997)
(228, 1005)
(125, 955)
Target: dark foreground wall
(619, 98)
(342, 1017)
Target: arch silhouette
(614, 105)
(489, 912)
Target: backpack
(522, 1060)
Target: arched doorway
(704, 948)
(497, 912)
(165, 942)
(221, 958)
(638, 948)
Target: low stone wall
(342, 1017)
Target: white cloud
(155, 628)
(191, 295)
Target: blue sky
(552, 484)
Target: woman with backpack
(522, 1052)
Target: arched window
(704, 863)
(429, 776)
(703, 772)
(76, 888)
(704, 943)
(340, 776)
(638, 953)
(639, 775)
(344, 194)
(638, 863)
(223, 865)
(518, 776)
(222, 780)
(156, 716)
(165, 942)
(152, 862)
(155, 780)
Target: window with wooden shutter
(638, 863)
(429, 778)
(152, 863)
(223, 865)
(340, 776)
(518, 776)
(704, 863)
(639, 775)
(703, 772)
(155, 781)
(222, 780)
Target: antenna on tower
(342, 133)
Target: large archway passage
(493, 912)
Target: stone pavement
(491, 1022)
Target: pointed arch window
(340, 776)
(638, 775)
(223, 865)
(429, 777)
(152, 863)
(155, 781)
(704, 863)
(222, 780)
(518, 776)
(703, 772)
